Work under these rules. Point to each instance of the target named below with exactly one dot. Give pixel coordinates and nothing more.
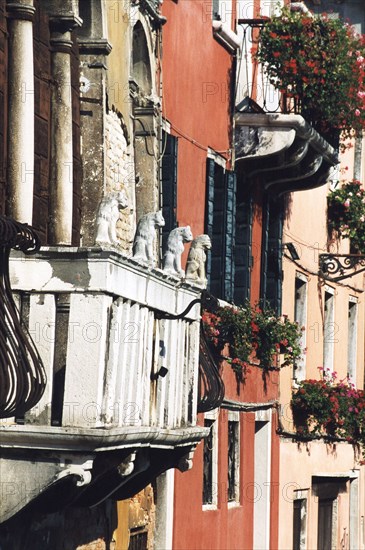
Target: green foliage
(326, 407)
(319, 62)
(252, 332)
(346, 214)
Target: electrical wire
(310, 272)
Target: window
(169, 184)
(299, 523)
(326, 489)
(329, 329)
(141, 66)
(233, 458)
(222, 11)
(271, 264)
(352, 339)
(138, 540)
(300, 316)
(220, 226)
(325, 512)
(210, 462)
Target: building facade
(119, 428)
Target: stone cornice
(102, 270)
(96, 440)
(284, 150)
(286, 123)
(96, 46)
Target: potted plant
(241, 335)
(318, 62)
(346, 214)
(328, 407)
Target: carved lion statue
(145, 237)
(195, 266)
(175, 247)
(108, 215)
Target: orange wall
(222, 528)
(196, 100)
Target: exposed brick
(41, 130)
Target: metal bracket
(337, 267)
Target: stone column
(61, 169)
(20, 169)
(93, 54)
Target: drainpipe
(230, 38)
(20, 168)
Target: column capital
(21, 10)
(64, 23)
(96, 46)
(61, 42)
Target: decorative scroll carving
(145, 237)
(175, 247)
(108, 215)
(195, 267)
(22, 375)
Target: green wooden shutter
(169, 184)
(220, 226)
(271, 274)
(229, 235)
(243, 248)
(209, 214)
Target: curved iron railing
(22, 375)
(211, 385)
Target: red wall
(222, 528)
(196, 93)
(196, 101)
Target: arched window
(141, 69)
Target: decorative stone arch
(141, 60)
(146, 114)
(94, 25)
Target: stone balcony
(120, 402)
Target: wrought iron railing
(22, 375)
(253, 85)
(255, 92)
(211, 385)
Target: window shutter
(271, 280)
(209, 214)
(229, 235)
(169, 184)
(243, 250)
(220, 226)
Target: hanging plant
(319, 62)
(329, 408)
(251, 332)
(346, 214)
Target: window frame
(212, 416)
(352, 338)
(234, 418)
(328, 323)
(301, 317)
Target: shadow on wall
(72, 529)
